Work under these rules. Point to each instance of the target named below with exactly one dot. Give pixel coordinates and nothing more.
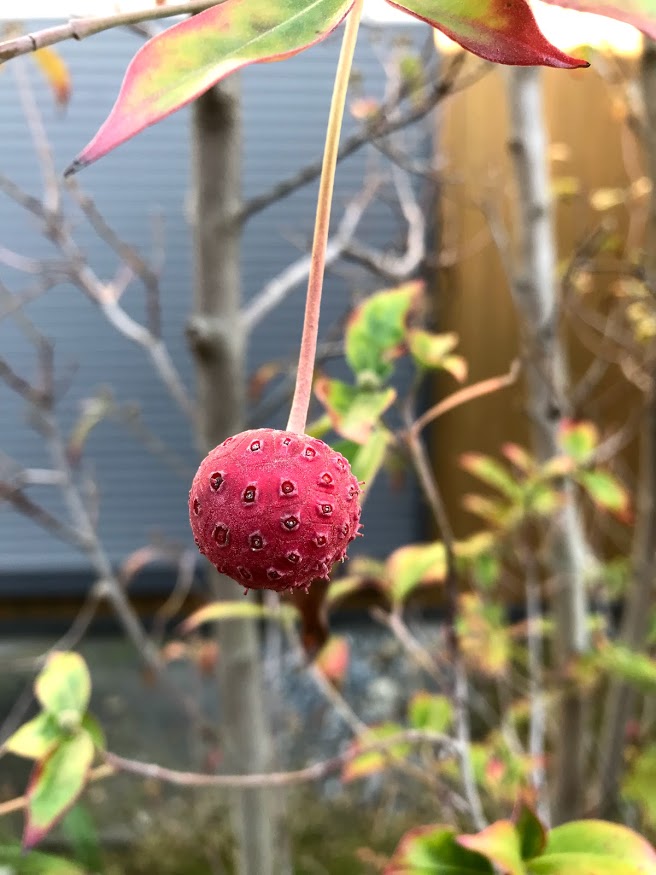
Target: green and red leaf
(500, 843)
(434, 850)
(55, 784)
(376, 330)
(354, 413)
(503, 31)
(333, 659)
(178, 65)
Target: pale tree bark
(621, 701)
(217, 343)
(534, 287)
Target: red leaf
(504, 31)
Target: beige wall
(473, 297)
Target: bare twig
(389, 265)
(279, 287)
(469, 393)
(12, 806)
(127, 253)
(80, 28)
(315, 772)
(368, 133)
(460, 691)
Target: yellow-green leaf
(376, 329)
(55, 784)
(36, 738)
(178, 65)
(56, 73)
(412, 565)
(64, 686)
(430, 711)
(220, 612)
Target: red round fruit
(274, 509)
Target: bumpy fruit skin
(274, 509)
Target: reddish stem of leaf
(303, 389)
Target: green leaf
(579, 440)
(531, 832)
(375, 332)
(503, 31)
(354, 413)
(583, 864)
(431, 349)
(433, 850)
(430, 711)
(500, 843)
(17, 862)
(64, 687)
(343, 588)
(484, 638)
(80, 831)
(219, 612)
(491, 472)
(412, 565)
(36, 738)
(629, 665)
(639, 784)
(605, 490)
(95, 730)
(606, 841)
(55, 784)
(639, 13)
(372, 761)
(178, 65)
(370, 457)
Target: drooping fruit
(274, 509)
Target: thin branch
(460, 690)
(394, 267)
(80, 28)
(279, 287)
(469, 393)
(41, 516)
(315, 772)
(369, 132)
(12, 806)
(127, 253)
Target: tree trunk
(534, 292)
(218, 345)
(621, 701)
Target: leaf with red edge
(639, 13)
(433, 850)
(55, 783)
(499, 842)
(178, 65)
(504, 31)
(333, 659)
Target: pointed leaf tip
(186, 60)
(503, 31)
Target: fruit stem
(303, 388)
